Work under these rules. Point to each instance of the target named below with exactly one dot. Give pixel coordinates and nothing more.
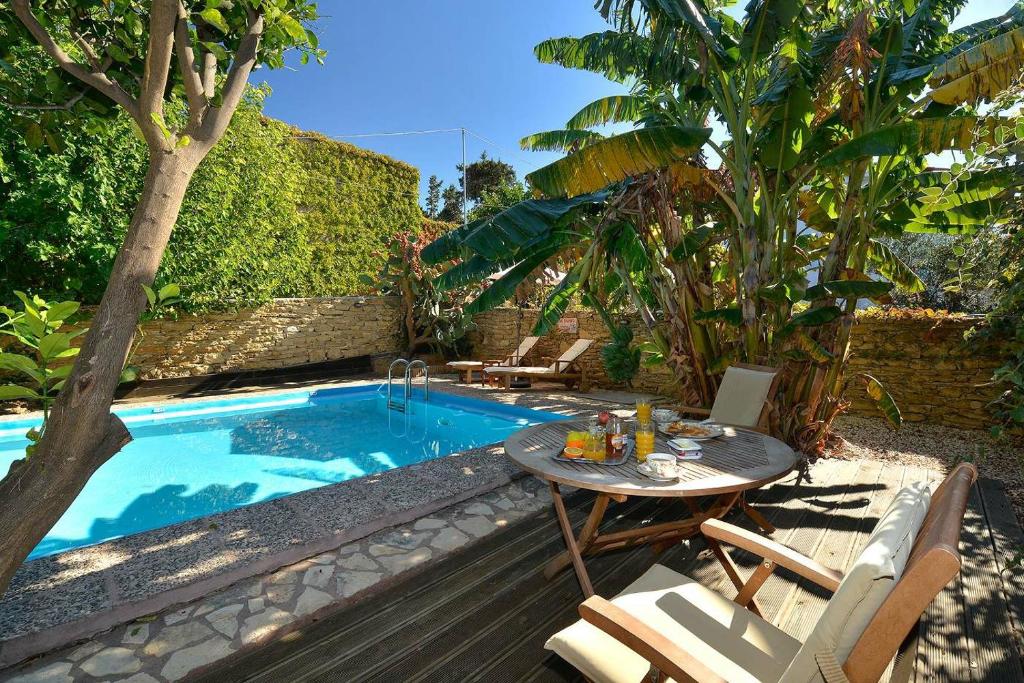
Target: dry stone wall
(922, 360)
(282, 333)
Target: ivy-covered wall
(272, 212)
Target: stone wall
(923, 361)
(283, 333)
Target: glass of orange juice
(643, 411)
(644, 441)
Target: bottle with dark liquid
(615, 437)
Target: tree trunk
(81, 434)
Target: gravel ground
(934, 447)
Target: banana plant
(829, 117)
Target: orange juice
(643, 411)
(644, 441)
(595, 445)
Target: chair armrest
(669, 657)
(770, 550)
(693, 410)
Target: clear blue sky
(416, 65)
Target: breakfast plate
(690, 429)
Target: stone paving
(169, 645)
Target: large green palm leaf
(613, 109)
(617, 158)
(917, 137)
(559, 140)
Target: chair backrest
(570, 354)
(909, 557)
(743, 397)
(525, 347)
(934, 562)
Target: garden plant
(758, 243)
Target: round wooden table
(732, 464)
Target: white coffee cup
(662, 464)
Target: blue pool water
(195, 458)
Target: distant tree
(434, 185)
(486, 175)
(452, 210)
(496, 200)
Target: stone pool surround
(171, 599)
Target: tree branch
(197, 101)
(162, 20)
(75, 99)
(99, 81)
(208, 68)
(217, 120)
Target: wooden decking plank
(992, 646)
(530, 607)
(837, 545)
(1008, 540)
(943, 654)
(367, 617)
(388, 646)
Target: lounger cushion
(739, 645)
(741, 396)
(525, 370)
(866, 585)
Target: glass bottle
(615, 438)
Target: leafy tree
(132, 59)
(485, 175)
(495, 200)
(452, 208)
(434, 185)
(829, 115)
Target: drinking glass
(644, 441)
(643, 411)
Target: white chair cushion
(739, 645)
(866, 585)
(741, 396)
(525, 370)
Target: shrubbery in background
(267, 214)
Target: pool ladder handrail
(407, 387)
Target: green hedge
(271, 212)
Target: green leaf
(693, 242)
(730, 316)
(504, 289)
(294, 29)
(62, 311)
(612, 109)
(883, 399)
(813, 317)
(891, 267)
(558, 301)
(10, 392)
(130, 373)
(617, 158)
(846, 289)
(215, 18)
(159, 121)
(559, 140)
(816, 351)
(150, 295)
(916, 138)
(168, 291)
(18, 363)
(52, 345)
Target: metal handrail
(407, 388)
(405, 399)
(426, 378)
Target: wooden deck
(484, 614)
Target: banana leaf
(613, 109)
(559, 140)
(617, 158)
(558, 301)
(693, 242)
(917, 138)
(518, 227)
(617, 56)
(505, 288)
(981, 73)
(846, 289)
(891, 267)
(767, 22)
(731, 316)
(883, 399)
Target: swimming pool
(194, 458)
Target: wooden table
(736, 462)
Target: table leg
(585, 540)
(570, 540)
(756, 516)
